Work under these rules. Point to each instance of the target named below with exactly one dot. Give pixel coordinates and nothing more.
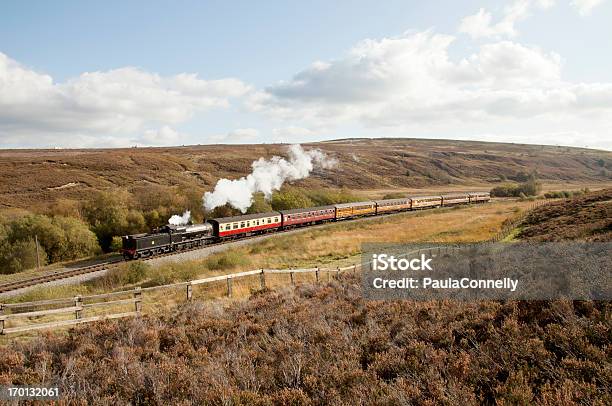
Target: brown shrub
(325, 344)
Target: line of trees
(73, 229)
(59, 238)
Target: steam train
(172, 238)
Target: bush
(529, 188)
(116, 244)
(290, 199)
(226, 260)
(60, 238)
(325, 344)
(125, 274)
(395, 195)
(566, 194)
(20, 255)
(324, 197)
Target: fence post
(317, 274)
(229, 286)
(138, 298)
(354, 269)
(189, 291)
(262, 279)
(77, 303)
(1, 320)
(292, 279)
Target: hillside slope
(587, 217)
(37, 177)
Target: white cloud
(410, 84)
(585, 7)
(163, 136)
(411, 72)
(480, 25)
(240, 135)
(116, 103)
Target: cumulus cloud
(585, 7)
(411, 82)
(414, 73)
(481, 24)
(116, 103)
(163, 136)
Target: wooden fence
(80, 304)
(508, 227)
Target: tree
(223, 211)
(260, 204)
(290, 199)
(109, 215)
(79, 240)
(19, 255)
(116, 244)
(521, 177)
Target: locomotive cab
(144, 245)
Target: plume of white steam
(267, 176)
(178, 220)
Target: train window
(242, 225)
(269, 220)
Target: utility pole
(37, 253)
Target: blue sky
(103, 74)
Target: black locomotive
(166, 239)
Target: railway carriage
(421, 202)
(390, 205)
(348, 210)
(311, 215)
(456, 198)
(479, 197)
(232, 227)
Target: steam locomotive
(172, 238)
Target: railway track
(58, 275)
(7, 287)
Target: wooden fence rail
(77, 309)
(79, 304)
